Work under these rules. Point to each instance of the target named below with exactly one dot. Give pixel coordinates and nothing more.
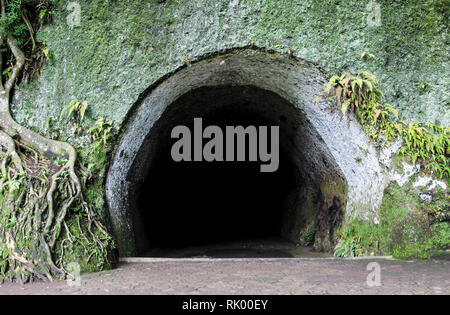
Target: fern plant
(355, 93)
(429, 144)
(76, 110)
(102, 130)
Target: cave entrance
(219, 207)
(156, 203)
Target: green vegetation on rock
(123, 47)
(429, 144)
(407, 227)
(84, 234)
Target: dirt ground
(254, 276)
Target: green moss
(123, 47)
(307, 234)
(441, 235)
(83, 237)
(87, 253)
(407, 227)
(397, 163)
(428, 144)
(96, 252)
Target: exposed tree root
(34, 199)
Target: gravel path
(254, 277)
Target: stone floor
(254, 276)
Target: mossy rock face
(123, 47)
(407, 227)
(417, 227)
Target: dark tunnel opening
(192, 203)
(199, 203)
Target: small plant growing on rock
(75, 110)
(366, 56)
(360, 95)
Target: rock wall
(122, 51)
(120, 48)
